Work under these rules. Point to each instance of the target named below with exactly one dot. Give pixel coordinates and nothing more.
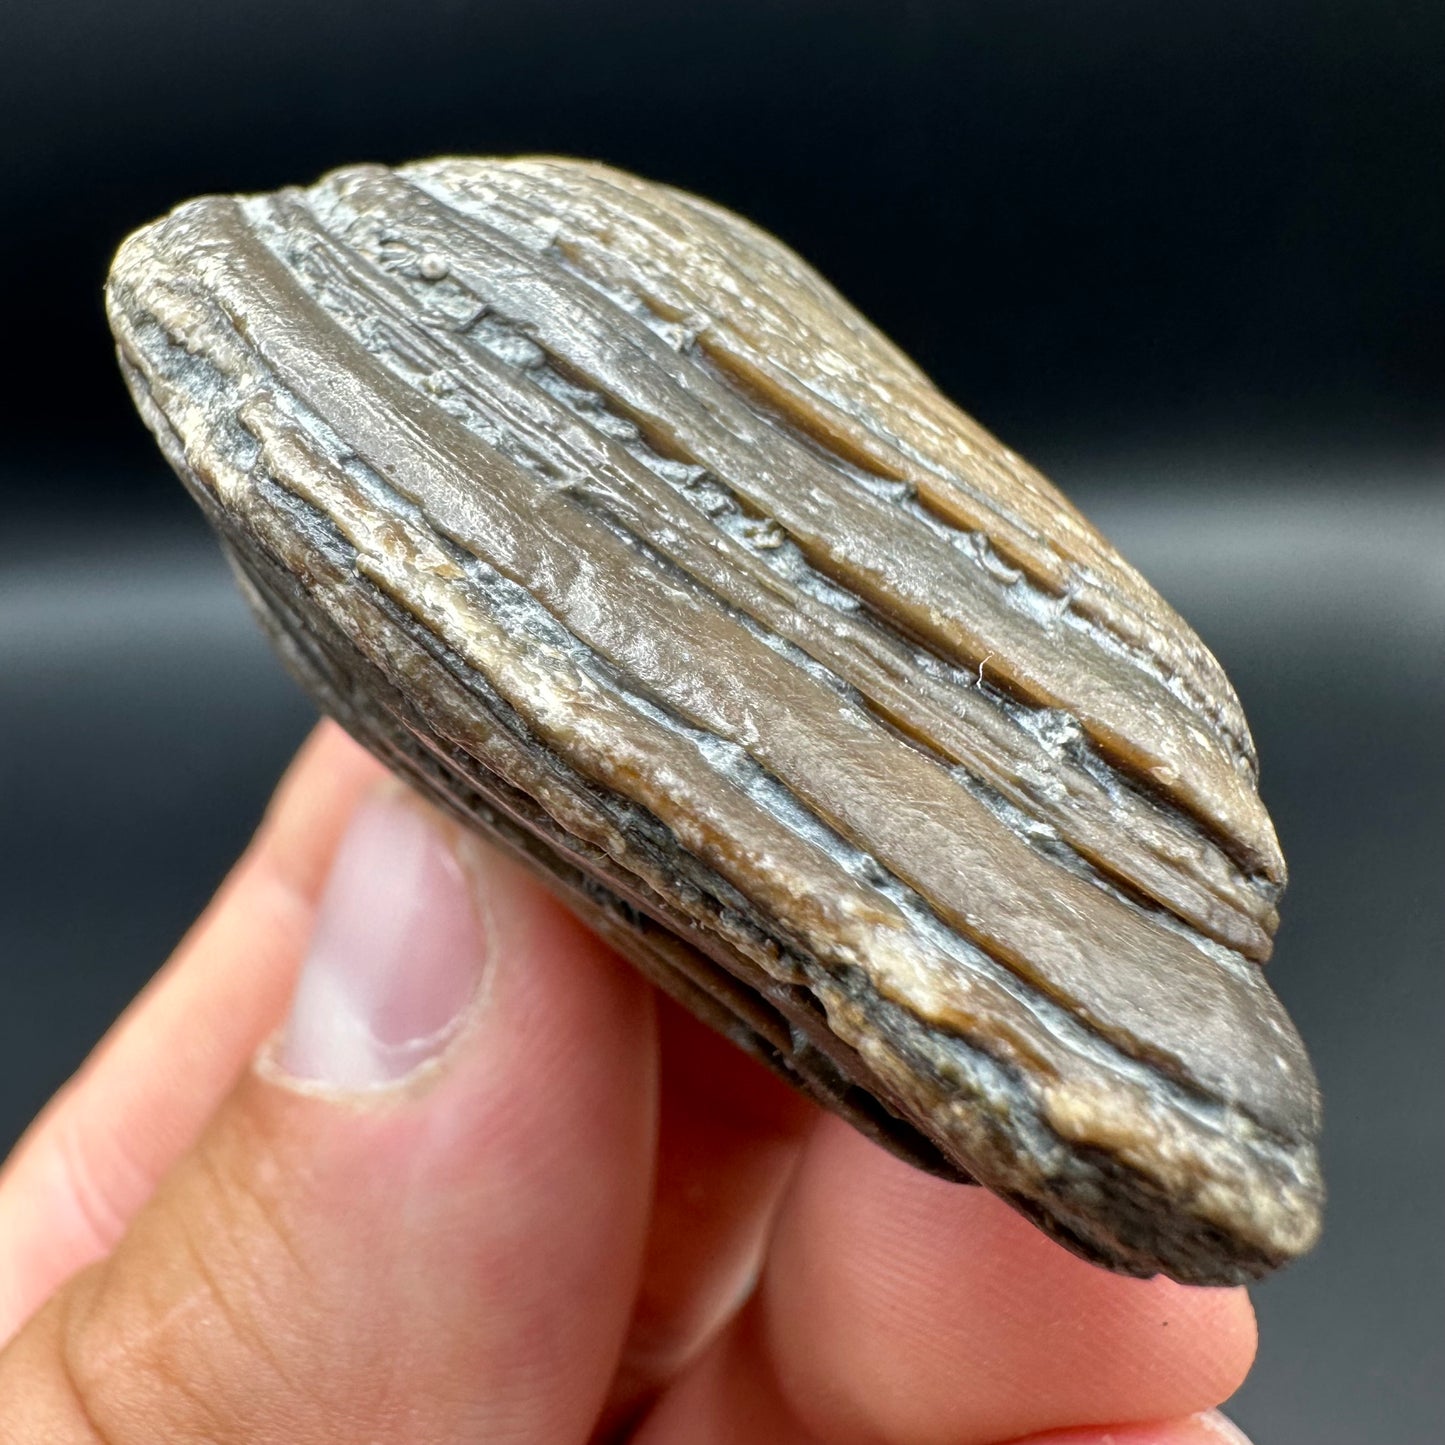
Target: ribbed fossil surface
(597, 513)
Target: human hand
(484, 1185)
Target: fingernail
(1222, 1428)
(396, 955)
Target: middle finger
(894, 1306)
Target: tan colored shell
(598, 513)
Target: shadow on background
(1186, 257)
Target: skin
(650, 1239)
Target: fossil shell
(598, 514)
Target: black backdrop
(1104, 217)
(1187, 255)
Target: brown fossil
(598, 514)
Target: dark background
(1187, 256)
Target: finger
(725, 1400)
(94, 1155)
(729, 1134)
(729, 1397)
(419, 1219)
(1208, 1428)
(896, 1307)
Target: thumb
(419, 1217)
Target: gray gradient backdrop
(1186, 256)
